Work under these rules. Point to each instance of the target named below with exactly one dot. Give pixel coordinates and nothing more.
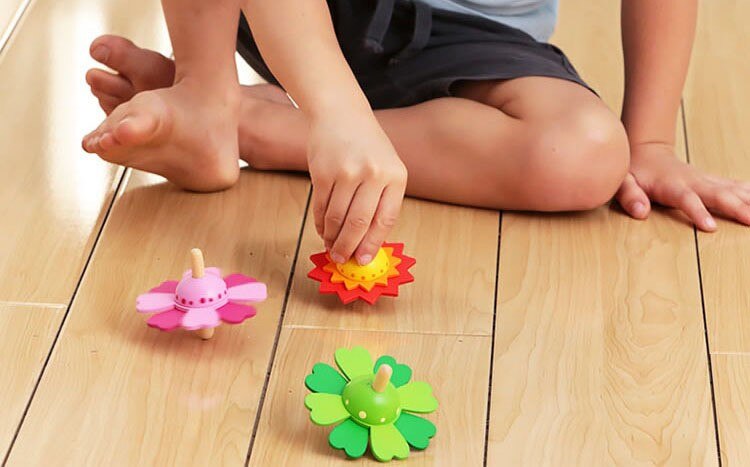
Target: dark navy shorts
(405, 52)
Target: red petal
(238, 279)
(234, 313)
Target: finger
(690, 203)
(357, 223)
(742, 194)
(729, 205)
(382, 224)
(341, 198)
(633, 199)
(321, 194)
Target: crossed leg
(532, 143)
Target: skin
(530, 143)
(653, 85)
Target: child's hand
(656, 174)
(358, 185)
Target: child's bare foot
(183, 133)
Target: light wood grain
(119, 393)
(52, 194)
(732, 386)
(599, 336)
(455, 249)
(717, 110)
(286, 436)
(11, 12)
(26, 335)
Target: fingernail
(710, 223)
(100, 53)
(364, 259)
(337, 258)
(638, 208)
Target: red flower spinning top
(201, 300)
(351, 281)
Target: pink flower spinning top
(201, 300)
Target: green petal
(417, 397)
(351, 437)
(354, 362)
(401, 372)
(416, 430)
(325, 409)
(324, 378)
(387, 442)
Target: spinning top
(201, 300)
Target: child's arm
(657, 40)
(358, 179)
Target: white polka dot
(346, 402)
(382, 420)
(362, 414)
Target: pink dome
(207, 291)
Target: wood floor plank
(119, 393)
(287, 437)
(26, 334)
(599, 350)
(52, 193)
(455, 249)
(732, 386)
(10, 13)
(718, 114)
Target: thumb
(633, 199)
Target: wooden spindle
(382, 377)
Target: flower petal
(234, 313)
(416, 430)
(387, 442)
(353, 362)
(351, 437)
(325, 409)
(401, 373)
(154, 302)
(417, 397)
(198, 318)
(249, 292)
(166, 287)
(324, 378)
(166, 320)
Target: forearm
(657, 41)
(297, 41)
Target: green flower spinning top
(373, 402)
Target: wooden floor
(587, 339)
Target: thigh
(534, 98)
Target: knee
(581, 160)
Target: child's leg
(538, 144)
(531, 143)
(187, 132)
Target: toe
(103, 82)
(136, 129)
(144, 68)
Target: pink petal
(165, 287)
(198, 318)
(234, 313)
(154, 302)
(249, 292)
(167, 320)
(237, 279)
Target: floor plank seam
(703, 303)
(386, 331)
(123, 178)
(13, 25)
(279, 327)
(492, 342)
